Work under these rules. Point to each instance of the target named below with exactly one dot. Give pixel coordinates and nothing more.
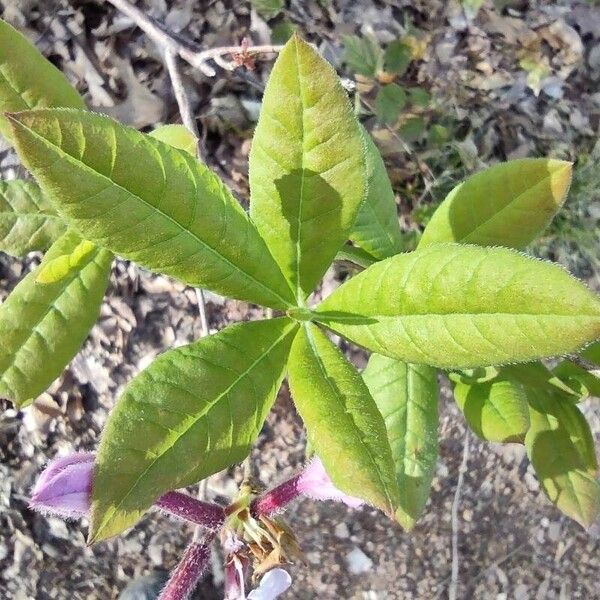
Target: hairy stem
(190, 509)
(187, 573)
(276, 499)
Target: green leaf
(389, 102)
(450, 305)
(412, 129)
(376, 228)
(536, 374)
(307, 166)
(282, 32)
(397, 57)
(577, 378)
(363, 55)
(28, 80)
(177, 136)
(356, 255)
(418, 96)
(342, 421)
(592, 353)
(194, 411)
(508, 204)
(148, 202)
(43, 325)
(28, 221)
(496, 410)
(438, 135)
(407, 397)
(267, 8)
(561, 450)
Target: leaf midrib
(299, 291)
(327, 378)
(152, 207)
(108, 515)
(360, 319)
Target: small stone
(341, 531)
(155, 554)
(521, 592)
(58, 529)
(531, 482)
(358, 562)
(554, 531)
(146, 587)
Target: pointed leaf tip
(174, 203)
(463, 306)
(306, 166)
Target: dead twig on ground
(186, 49)
(453, 588)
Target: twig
(189, 120)
(183, 101)
(453, 588)
(189, 51)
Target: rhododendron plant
(467, 302)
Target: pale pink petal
(313, 482)
(236, 566)
(64, 487)
(316, 484)
(235, 576)
(272, 585)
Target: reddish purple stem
(190, 509)
(187, 573)
(276, 499)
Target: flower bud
(312, 482)
(316, 484)
(65, 486)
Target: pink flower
(65, 486)
(315, 483)
(312, 482)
